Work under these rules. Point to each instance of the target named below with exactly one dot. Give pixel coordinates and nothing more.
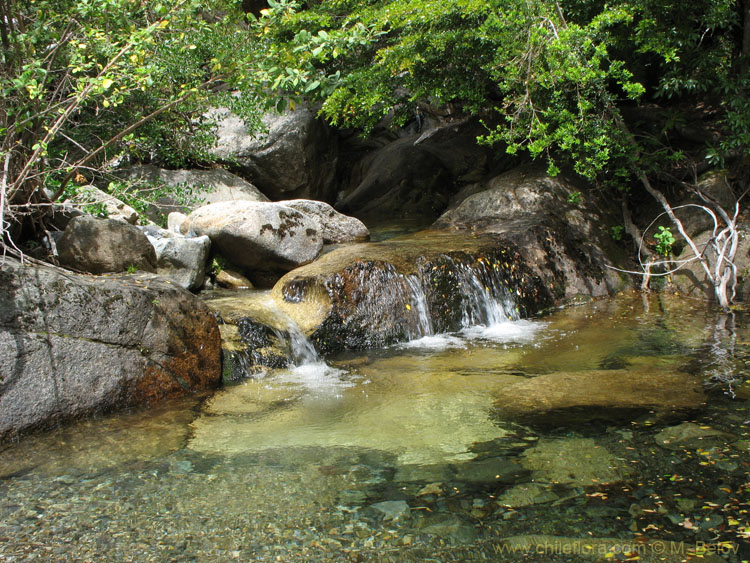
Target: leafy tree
(556, 76)
(84, 82)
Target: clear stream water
(399, 454)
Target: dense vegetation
(606, 90)
(554, 75)
(85, 84)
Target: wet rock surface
(253, 337)
(74, 345)
(689, 435)
(526, 494)
(375, 294)
(556, 223)
(573, 462)
(490, 471)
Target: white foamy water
(505, 331)
(435, 342)
(424, 324)
(316, 376)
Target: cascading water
(301, 350)
(260, 337)
(449, 299)
(487, 301)
(482, 297)
(421, 308)
(480, 304)
(288, 337)
(307, 367)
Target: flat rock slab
(373, 294)
(526, 494)
(452, 528)
(391, 509)
(610, 395)
(488, 471)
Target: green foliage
(218, 263)
(85, 83)
(664, 241)
(554, 75)
(131, 269)
(574, 198)
(97, 210)
(142, 196)
(616, 232)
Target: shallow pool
(410, 454)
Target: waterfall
(301, 364)
(420, 307)
(448, 299)
(457, 294)
(290, 337)
(487, 300)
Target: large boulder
(99, 246)
(400, 180)
(205, 187)
(295, 158)
(335, 227)
(416, 174)
(180, 259)
(610, 395)
(73, 345)
(370, 295)
(269, 238)
(562, 229)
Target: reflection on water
(399, 454)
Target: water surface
(400, 454)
